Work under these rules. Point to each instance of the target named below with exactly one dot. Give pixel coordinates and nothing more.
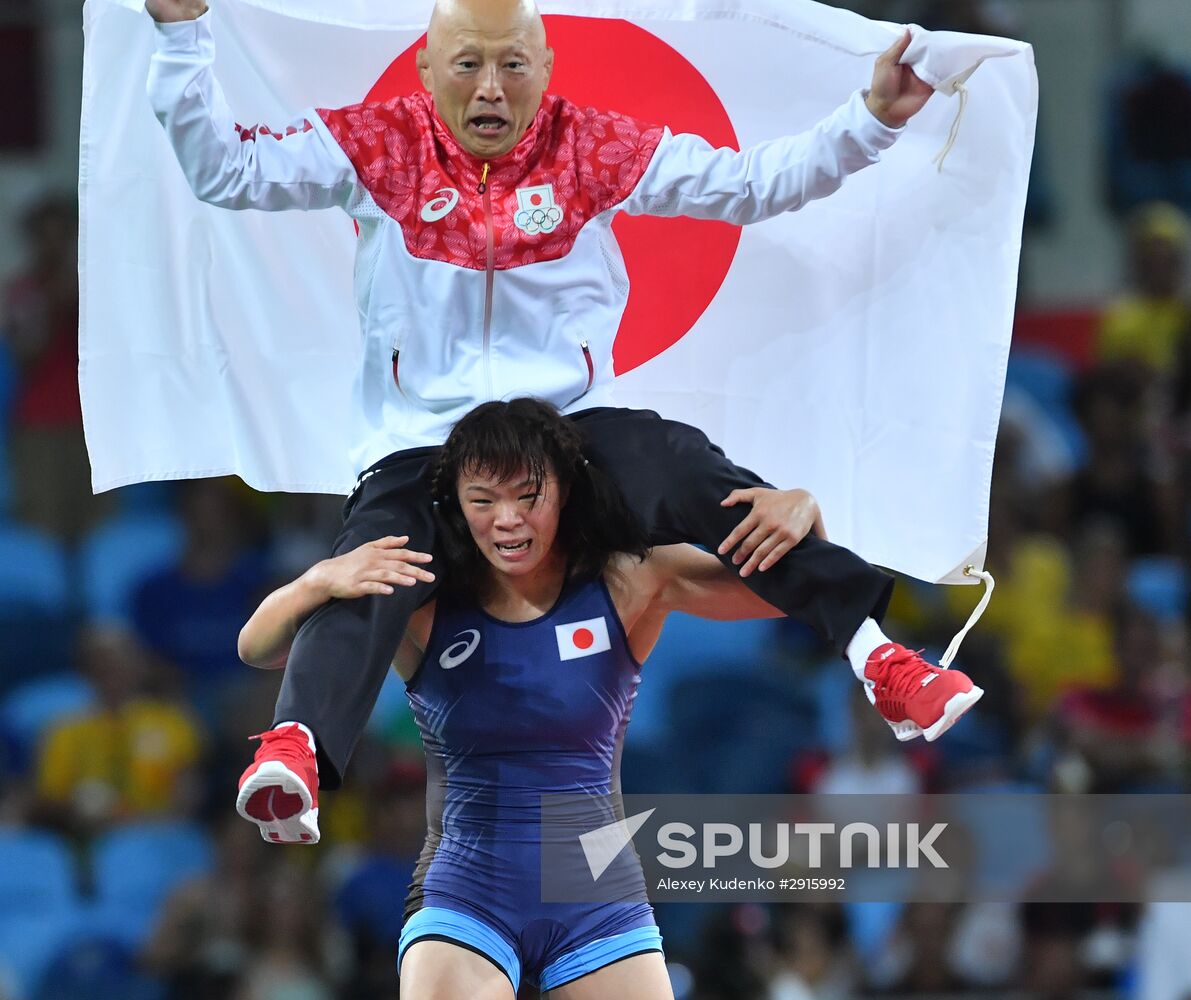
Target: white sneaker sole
(301, 827)
(956, 706)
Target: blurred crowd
(124, 711)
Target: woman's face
(513, 524)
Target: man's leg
(674, 478)
(340, 658)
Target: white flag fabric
(856, 348)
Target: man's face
(487, 65)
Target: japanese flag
(859, 342)
(583, 638)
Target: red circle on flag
(583, 638)
(675, 266)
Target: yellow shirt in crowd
(1147, 330)
(136, 753)
(1051, 644)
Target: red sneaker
(279, 791)
(915, 698)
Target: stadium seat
(159, 497)
(35, 607)
(739, 732)
(691, 646)
(39, 904)
(391, 721)
(1008, 822)
(978, 746)
(28, 944)
(655, 769)
(1045, 376)
(36, 873)
(35, 645)
(830, 686)
(741, 647)
(95, 967)
(870, 926)
(1159, 585)
(32, 570)
(1145, 163)
(137, 867)
(30, 709)
(119, 554)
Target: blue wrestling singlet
(509, 712)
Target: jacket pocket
(585, 348)
(398, 345)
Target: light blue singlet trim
(438, 920)
(596, 954)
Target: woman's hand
(372, 568)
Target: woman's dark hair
(505, 439)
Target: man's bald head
(494, 17)
(487, 65)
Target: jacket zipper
(490, 265)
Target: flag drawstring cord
(941, 155)
(989, 585)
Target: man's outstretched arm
(686, 176)
(295, 166)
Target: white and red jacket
(483, 280)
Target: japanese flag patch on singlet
(583, 638)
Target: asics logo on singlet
(441, 206)
(459, 651)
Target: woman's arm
(372, 568)
(678, 578)
(697, 583)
